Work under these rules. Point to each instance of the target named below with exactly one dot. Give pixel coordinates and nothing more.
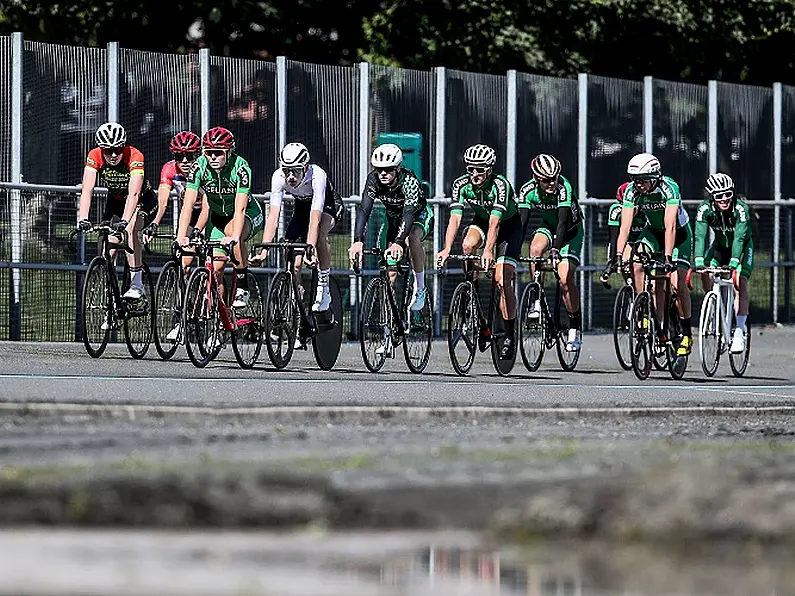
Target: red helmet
(218, 138)
(621, 191)
(185, 142)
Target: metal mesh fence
(153, 108)
(615, 132)
(745, 138)
(243, 99)
(475, 108)
(65, 102)
(680, 120)
(788, 141)
(5, 108)
(547, 120)
(323, 113)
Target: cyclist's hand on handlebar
(184, 242)
(605, 277)
(395, 251)
(261, 257)
(84, 225)
(229, 241)
(670, 266)
(120, 225)
(355, 254)
(441, 257)
(554, 257)
(487, 258)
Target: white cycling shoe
(418, 299)
(737, 345)
(322, 299)
(574, 341)
(241, 298)
(134, 293)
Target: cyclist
(318, 208)
(408, 215)
(120, 168)
(235, 216)
(730, 220)
(497, 228)
(560, 232)
(614, 226)
(667, 231)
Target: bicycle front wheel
(641, 338)
(168, 309)
(281, 320)
(621, 327)
(249, 325)
(568, 360)
(532, 325)
(677, 365)
(139, 318)
(739, 362)
(96, 313)
(418, 331)
(201, 321)
(709, 334)
(462, 328)
(374, 325)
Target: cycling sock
(575, 319)
(510, 324)
(323, 275)
(136, 277)
(741, 319)
(686, 326)
(241, 276)
(419, 280)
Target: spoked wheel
(168, 310)
(375, 325)
(498, 335)
(139, 319)
(739, 362)
(709, 335)
(531, 328)
(621, 326)
(96, 314)
(201, 320)
(247, 337)
(281, 320)
(677, 365)
(463, 328)
(418, 333)
(568, 360)
(327, 341)
(642, 336)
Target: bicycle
(717, 322)
(466, 323)
(621, 311)
(545, 330)
(384, 325)
(208, 320)
(651, 338)
(288, 318)
(102, 307)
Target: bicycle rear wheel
(139, 318)
(531, 329)
(568, 360)
(374, 325)
(327, 341)
(281, 320)
(621, 327)
(641, 338)
(247, 336)
(462, 328)
(168, 309)
(95, 308)
(739, 362)
(201, 320)
(709, 334)
(418, 330)
(677, 365)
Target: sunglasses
(724, 197)
(114, 151)
(541, 180)
(294, 171)
(214, 152)
(390, 170)
(478, 170)
(182, 155)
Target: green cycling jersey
(220, 187)
(494, 197)
(532, 196)
(638, 222)
(732, 229)
(653, 204)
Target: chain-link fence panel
(745, 138)
(615, 132)
(159, 95)
(65, 101)
(547, 121)
(475, 106)
(788, 141)
(5, 108)
(323, 113)
(679, 134)
(243, 99)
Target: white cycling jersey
(311, 188)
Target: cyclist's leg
(570, 253)
(742, 300)
(710, 260)
(296, 232)
(253, 224)
(147, 206)
(419, 231)
(542, 240)
(509, 245)
(681, 256)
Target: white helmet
(111, 135)
(644, 165)
(294, 155)
(387, 155)
(719, 183)
(480, 155)
(545, 166)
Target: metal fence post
(204, 85)
(113, 81)
(15, 293)
(777, 121)
(438, 187)
(582, 176)
(712, 126)
(648, 114)
(281, 138)
(364, 169)
(510, 143)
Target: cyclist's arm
(671, 215)
(204, 215)
(163, 192)
(319, 182)
(524, 204)
(627, 213)
(702, 229)
(742, 234)
(452, 229)
(494, 228)
(412, 201)
(134, 187)
(274, 208)
(613, 232)
(241, 203)
(86, 192)
(563, 224)
(188, 201)
(365, 207)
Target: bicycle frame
(725, 307)
(226, 313)
(384, 268)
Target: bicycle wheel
(531, 329)
(168, 309)
(739, 362)
(498, 334)
(418, 329)
(621, 327)
(677, 365)
(374, 325)
(139, 318)
(327, 341)
(96, 314)
(247, 336)
(568, 360)
(201, 320)
(462, 328)
(281, 321)
(709, 334)
(641, 338)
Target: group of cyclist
(214, 184)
